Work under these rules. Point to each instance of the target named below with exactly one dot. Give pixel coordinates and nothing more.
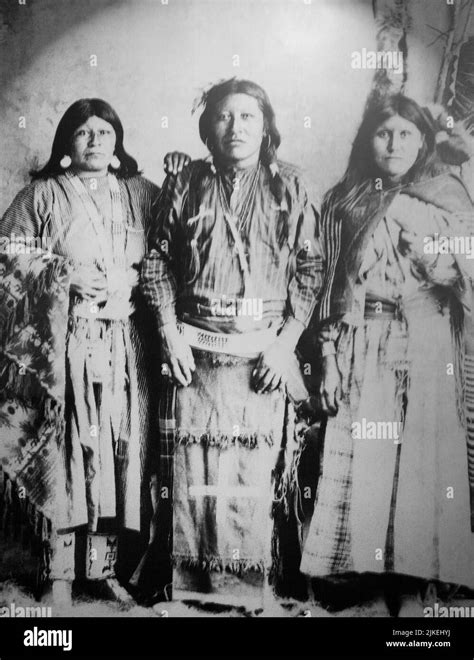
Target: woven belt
(107, 312)
(418, 305)
(246, 344)
(381, 309)
(203, 310)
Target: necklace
(113, 252)
(242, 218)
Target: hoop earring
(269, 142)
(65, 162)
(115, 163)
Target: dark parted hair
(268, 149)
(237, 86)
(359, 177)
(76, 115)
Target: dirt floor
(17, 571)
(16, 586)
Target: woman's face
(93, 146)
(396, 144)
(237, 130)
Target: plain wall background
(153, 59)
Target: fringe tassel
(458, 336)
(22, 520)
(223, 440)
(213, 563)
(469, 410)
(221, 359)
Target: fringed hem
(223, 440)
(27, 389)
(221, 359)
(218, 564)
(22, 521)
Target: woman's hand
(273, 367)
(177, 354)
(133, 279)
(174, 161)
(410, 242)
(89, 283)
(330, 391)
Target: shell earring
(115, 163)
(65, 162)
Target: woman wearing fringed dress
(74, 387)
(395, 493)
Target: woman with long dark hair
(74, 383)
(395, 313)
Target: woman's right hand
(176, 354)
(330, 391)
(89, 283)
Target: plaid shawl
(345, 239)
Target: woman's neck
(83, 174)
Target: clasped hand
(270, 372)
(89, 283)
(176, 353)
(330, 391)
(273, 367)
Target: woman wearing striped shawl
(74, 387)
(231, 276)
(397, 478)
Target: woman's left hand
(133, 278)
(174, 162)
(272, 367)
(121, 284)
(410, 242)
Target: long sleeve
(304, 287)
(159, 268)
(27, 214)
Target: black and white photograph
(237, 320)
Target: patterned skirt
(395, 498)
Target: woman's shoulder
(38, 186)
(300, 182)
(38, 191)
(445, 190)
(140, 184)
